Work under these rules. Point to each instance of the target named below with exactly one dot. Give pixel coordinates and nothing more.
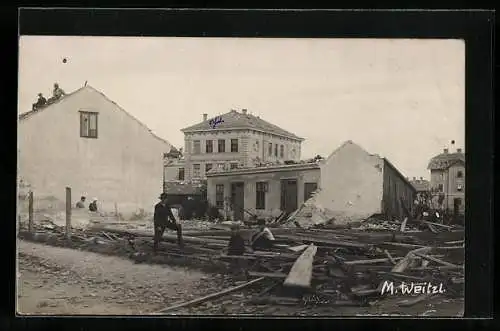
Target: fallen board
(301, 272)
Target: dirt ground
(54, 280)
(61, 281)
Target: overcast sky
(401, 99)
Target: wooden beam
(301, 272)
(211, 296)
(435, 259)
(406, 261)
(30, 211)
(68, 213)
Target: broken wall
(351, 184)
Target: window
(219, 195)
(256, 145)
(209, 148)
(220, 166)
(196, 170)
(282, 151)
(180, 175)
(88, 124)
(221, 145)
(234, 145)
(234, 165)
(260, 199)
(460, 174)
(460, 187)
(276, 150)
(208, 166)
(440, 188)
(196, 147)
(270, 149)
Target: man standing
(164, 219)
(58, 92)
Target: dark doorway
(289, 195)
(237, 200)
(309, 188)
(456, 206)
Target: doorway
(238, 200)
(289, 195)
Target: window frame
(221, 142)
(460, 174)
(199, 170)
(179, 172)
(282, 151)
(209, 143)
(89, 115)
(194, 146)
(234, 150)
(270, 149)
(275, 150)
(207, 167)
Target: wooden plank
(389, 256)
(406, 261)
(273, 275)
(68, 213)
(370, 261)
(30, 212)
(435, 259)
(211, 296)
(323, 241)
(298, 248)
(301, 272)
(403, 225)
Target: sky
(403, 99)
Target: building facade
(237, 140)
(263, 191)
(448, 179)
(87, 142)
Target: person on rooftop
(40, 102)
(58, 92)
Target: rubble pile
(307, 267)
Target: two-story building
(233, 140)
(448, 179)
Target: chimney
(445, 151)
(459, 150)
(244, 111)
(205, 117)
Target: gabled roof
(237, 120)
(445, 160)
(383, 159)
(29, 114)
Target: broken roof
(237, 120)
(175, 188)
(445, 160)
(30, 113)
(420, 185)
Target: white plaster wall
(124, 165)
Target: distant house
(89, 143)
(448, 179)
(233, 140)
(351, 184)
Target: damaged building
(351, 184)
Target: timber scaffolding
(327, 266)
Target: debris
(301, 273)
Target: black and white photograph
(241, 176)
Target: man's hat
(40, 94)
(162, 196)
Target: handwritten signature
(214, 121)
(315, 300)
